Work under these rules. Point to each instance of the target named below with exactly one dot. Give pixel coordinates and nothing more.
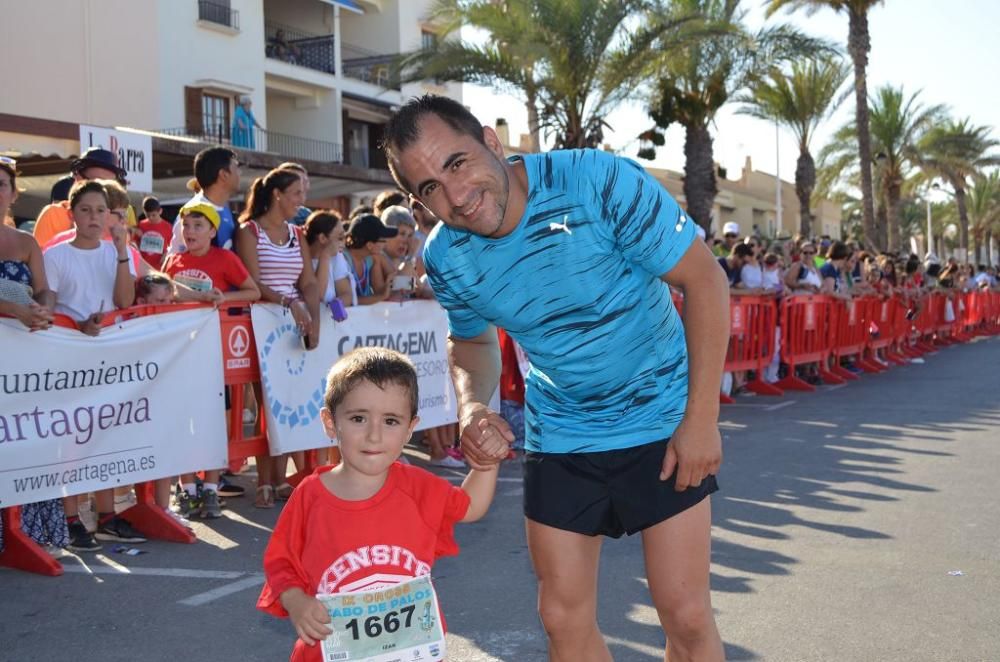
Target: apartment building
(166, 77)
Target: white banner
(134, 150)
(294, 380)
(143, 400)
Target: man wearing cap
(366, 239)
(95, 163)
(217, 173)
(730, 235)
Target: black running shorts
(607, 493)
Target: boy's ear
(329, 427)
(413, 424)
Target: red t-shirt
(216, 268)
(324, 544)
(154, 240)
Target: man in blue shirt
(571, 253)
(217, 173)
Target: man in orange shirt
(95, 163)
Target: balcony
(284, 145)
(370, 67)
(219, 13)
(300, 48)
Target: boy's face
(90, 215)
(372, 426)
(198, 232)
(154, 215)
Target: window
(428, 40)
(215, 116)
(220, 12)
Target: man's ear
(493, 143)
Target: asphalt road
(843, 522)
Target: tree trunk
(989, 247)
(975, 248)
(859, 45)
(895, 216)
(881, 219)
(963, 218)
(699, 175)
(533, 122)
(805, 182)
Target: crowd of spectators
(91, 255)
(801, 266)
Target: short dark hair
(144, 286)
(838, 251)
(742, 250)
(208, 163)
(402, 130)
(149, 203)
(378, 365)
(360, 209)
(389, 198)
(84, 187)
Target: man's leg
(566, 566)
(678, 556)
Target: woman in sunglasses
(803, 276)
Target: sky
(950, 50)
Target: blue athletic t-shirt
(577, 284)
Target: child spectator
(154, 233)
(369, 501)
(400, 251)
(366, 238)
(325, 236)
(89, 277)
(154, 289)
(219, 275)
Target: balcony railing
(369, 66)
(215, 12)
(301, 48)
(259, 140)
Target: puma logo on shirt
(564, 226)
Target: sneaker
(210, 508)
(183, 521)
(448, 462)
(227, 489)
(118, 530)
(187, 505)
(81, 540)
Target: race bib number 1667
(393, 624)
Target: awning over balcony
(349, 5)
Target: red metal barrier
(752, 320)
(851, 325)
(885, 316)
(807, 338)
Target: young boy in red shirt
(220, 274)
(350, 558)
(154, 233)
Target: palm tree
(957, 151)
(573, 61)
(897, 123)
(858, 45)
(800, 100)
(984, 212)
(692, 81)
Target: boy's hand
(120, 238)
(307, 614)
(213, 296)
(92, 325)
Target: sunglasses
(730, 236)
(808, 252)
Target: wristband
(123, 260)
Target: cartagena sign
(136, 403)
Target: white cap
(731, 228)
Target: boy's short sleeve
(441, 504)
(53, 272)
(463, 322)
(283, 556)
(650, 227)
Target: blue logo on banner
(289, 414)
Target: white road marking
(780, 405)
(835, 387)
(119, 569)
(222, 591)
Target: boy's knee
(563, 618)
(687, 619)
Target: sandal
(264, 497)
(283, 491)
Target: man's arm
(475, 371)
(695, 450)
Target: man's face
(231, 177)
(730, 239)
(462, 181)
(97, 172)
